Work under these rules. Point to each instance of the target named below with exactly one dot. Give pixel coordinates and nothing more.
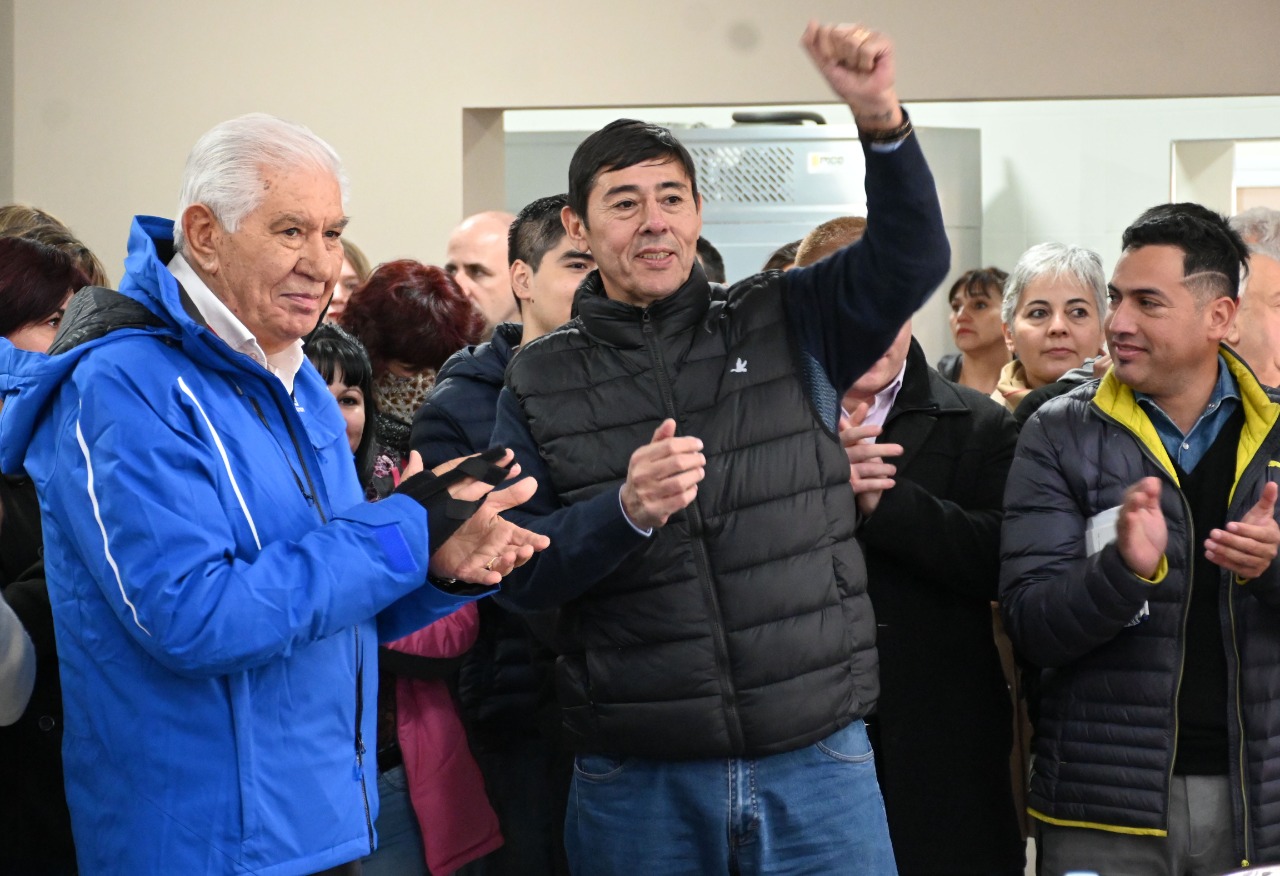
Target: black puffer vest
(743, 627)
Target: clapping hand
(1248, 547)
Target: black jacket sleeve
(952, 541)
(1058, 603)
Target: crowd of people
(571, 557)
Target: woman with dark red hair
(410, 317)
(36, 282)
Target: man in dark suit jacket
(930, 495)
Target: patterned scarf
(398, 399)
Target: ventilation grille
(746, 174)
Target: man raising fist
(718, 643)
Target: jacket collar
(924, 397)
(923, 389)
(1261, 412)
(146, 275)
(486, 362)
(147, 279)
(1011, 386)
(621, 325)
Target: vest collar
(619, 324)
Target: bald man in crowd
(1256, 332)
(477, 258)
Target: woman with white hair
(1053, 306)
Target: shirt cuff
(645, 532)
(886, 147)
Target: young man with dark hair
(545, 269)
(718, 641)
(504, 682)
(1138, 568)
(546, 266)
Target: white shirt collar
(883, 402)
(223, 323)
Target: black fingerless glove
(445, 513)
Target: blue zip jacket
(218, 587)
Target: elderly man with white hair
(219, 587)
(1256, 332)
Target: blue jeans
(816, 810)
(399, 850)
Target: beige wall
(108, 98)
(6, 101)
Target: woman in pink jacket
(434, 816)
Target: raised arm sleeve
(847, 308)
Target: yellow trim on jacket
(1162, 569)
(1109, 828)
(1260, 415)
(1117, 401)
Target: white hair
(225, 167)
(1260, 228)
(1055, 261)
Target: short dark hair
(536, 229)
(21, 220)
(34, 279)
(1209, 244)
(333, 349)
(783, 257)
(985, 282)
(712, 261)
(622, 143)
